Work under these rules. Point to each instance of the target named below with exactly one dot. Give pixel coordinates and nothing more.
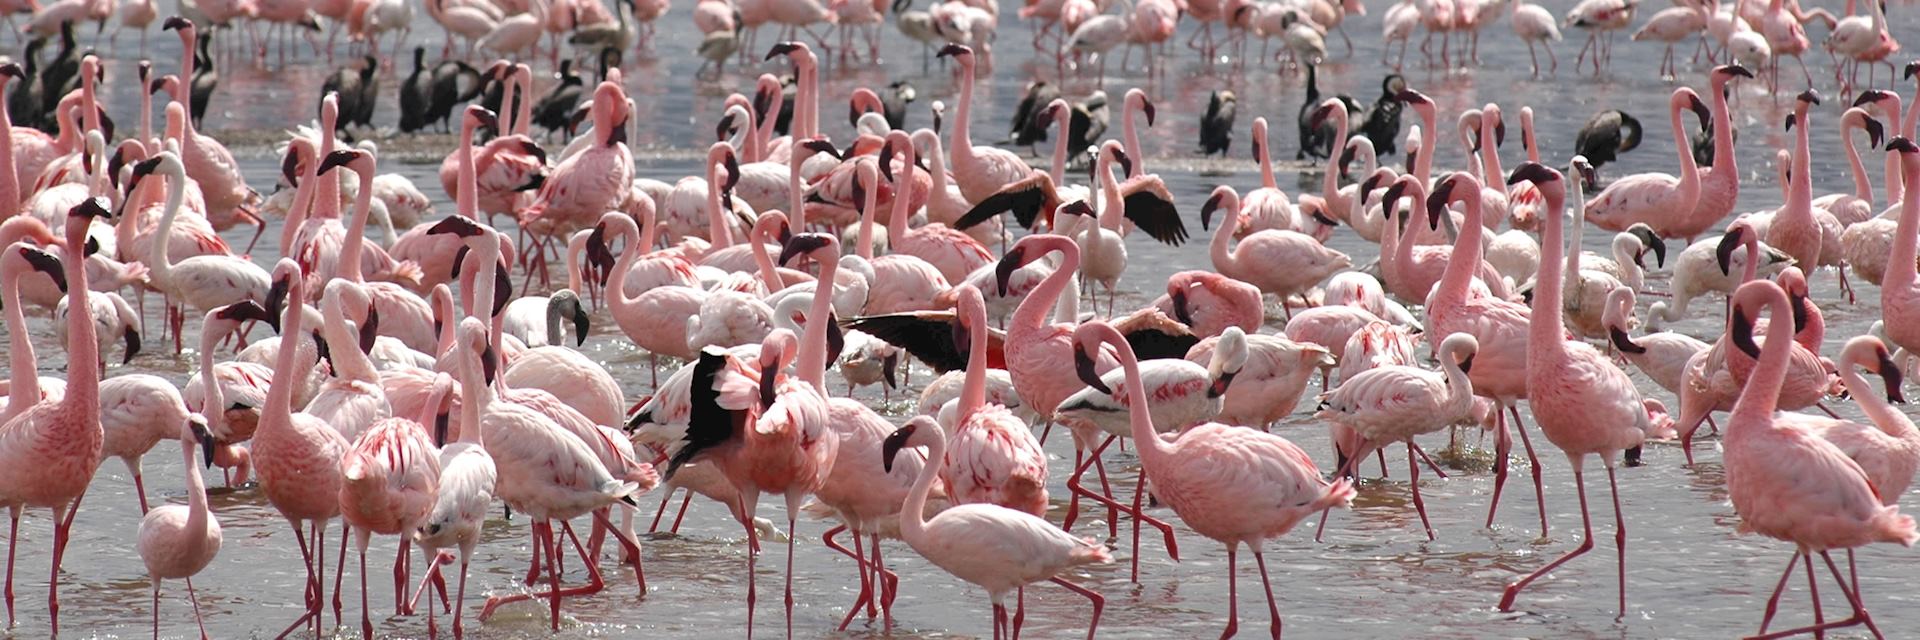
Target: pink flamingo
(980, 171)
(467, 474)
(229, 200)
(790, 449)
(1209, 303)
(1273, 485)
(1284, 263)
(1395, 403)
(1653, 197)
(404, 315)
(1003, 464)
(1267, 207)
(180, 541)
(1797, 228)
(49, 451)
(1600, 17)
(298, 455)
(204, 281)
(591, 182)
(1671, 25)
(1786, 37)
(20, 259)
(1535, 25)
(1499, 371)
(1582, 401)
(1862, 39)
(390, 480)
(434, 254)
(998, 548)
(1410, 270)
(1661, 355)
(352, 400)
(1720, 182)
(1899, 297)
(1789, 484)
(953, 252)
(137, 411)
(240, 387)
(1857, 207)
(1268, 387)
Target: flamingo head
(1651, 240)
(197, 427)
(1585, 168)
(805, 243)
(786, 49)
(1533, 172)
(1084, 364)
(1873, 96)
(1178, 296)
(911, 434)
(1912, 68)
(1216, 201)
(11, 70)
(480, 117)
(457, 225)
(1740, 324)
(1723, 253)
(1902, 144)
(960, 51)
(1887, 369)
(1733, 70)
(1437, 201)
(177, 23)
(358, 161)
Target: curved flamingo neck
(902, 194)
(1888, 419)
(1689, 172)
(280, 396)
(962, 142)
(1429, 143)
(1132, 138)
(1862, 183)
(1032, 313)
(617, 297)
(769, 274)
(716, 221)
(158, 257)
(1904, 240)
(1762, 394)
(1116, 207)
(1526, 133)
(1751, 270)
(357, 227)
(1723, 157)
(349, 362)
(1466, 251)
(1140, 419)
(20, 358)
(1061, 124)
(214, 406)
(1330, 181)
(445, 317)
(1220, 248)
(1547, 328)
(973, 394)
(811, 363)
(197, 513)
(9, 181)
(1490, 168)
(1266, 157)
(913, 516)
(466, 188)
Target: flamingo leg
(340, 571)
(866, 586)
(197, 618)
(460, 597)
(1539, 487)
(402, 569)
(1586, 544)
(1099, 602)
(1428, 459)
(366, 621)
(13, 544)
(1273, 607)
(628, 546)
(1619, 538)
(889, 582)
(1233, 592)
(1419, 504)
(1813, 589)
(1502, 450)
(792, 532)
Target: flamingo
(1720, 182)
(1669, 26)
(591, 182)
(1284, 263)
(1899, 297)
(49, 450)
(297, 454)
(202, 282)
(1395, 403)
(1582, 401)
(1661, 355)
(1600, 17)
(1235, 485)
(180, 541)
(1270, 384)
(953, 252)
(137, 411)
(998, 548)
(1209, 303)
(1653, 197)
(467, 473)
(1862, 39)
(390, 481)
(1535, 25)
(208, 162)
(980, 171)
(1797, 228)
(21, 258)
(1789, 484)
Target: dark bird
(59, 77)
(1088, 124)
(357, 93)
(23, 104)
(1027, 129)
(1216, 127)
(1317, 141)
(429, 96)
(784, 119)
(1382, 123)
(1606, 135)
(205, 80)
(894, 102)
(554, 111)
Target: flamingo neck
(1862, 183)
(1752, 269)
(1689, 172)
(1116, 207)
(1032, 311)
(466, 188)
(349, 362)
(475, 395)
(1058, 170)
(1884, 417)
(20, 357)
(1266, 162)
(902, 194)
(913, 517)
(1330, 182)
(1140, 419)
(1762, 394)
(197, 513)
(280, 396)
(83, 382)
(973, 394)
(1904, 239)
(9, 182)
(1800, 190)
(1459, 386)
(523, 90)
(214, 406)
(769, 274)
(797, 207)
(617, 297)
(445, 318)
(1466, 254)
(1131, 137)
(1429, 140)
(576, 246)
(1547, 328)
(350, 252)
(962, 143)
(811, 363)
(158, 258)
(716, 222)
(1220, 249)
(1724, 161)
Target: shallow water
(1690, 575)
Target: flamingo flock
(426, 385)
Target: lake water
(1690, 575)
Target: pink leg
(1099, 603)
(866, 585)
(553, 573)
(1619, 538)
(889, 583)
(13, 544)
(61, 535)
(630, 548)
(792, 532)
(1413, 472)
(1019, 613)
(340, 570)
(1273, 607)
(197, 618)
(1233, 592)
(1539, 487)
(1813, 589)
(1429, 460)
(1586, 544)
(1502, 450)
(402, 569)
(140, 489)
(366, 621)
(460, 598)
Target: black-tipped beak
(12, 70)
(1207, 209)
(502, 288)
(1221, 384)
(207, 443)
(175, 23)
(1723, 253)
(95, 207)
(1083, 365)
(1700, 109)
(1410, 96)
(890, 369)
(1870, 96)
(457, 225)
(1741, 329)
(1623, 342)
(1792, 119)
(1902, 144)
(1912, 68)
(48, 264)
(582, 324)
(1125, 162)
(1809, 96)
(132, 339)
(781, 49)
(369, 331)
(486, 116)
(1147, 109)
(1876, 133)
(1003, 271)
(1891, 375)
(275, 303)
(337, 159)
(1437, 203)
(1466, 364)
(769, 379)
(1533, 172)
(805, 243)
(894, 443)
(1653, 242)
(489, 364)
(1737, 71)
(953, 50)
(440, 427)
(1180, 311)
